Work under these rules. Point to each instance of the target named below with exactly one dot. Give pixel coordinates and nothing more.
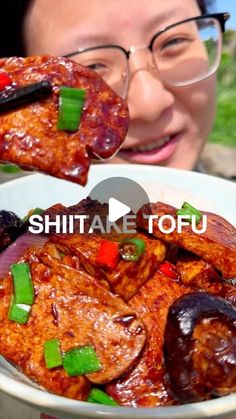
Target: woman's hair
(204, 5)
(13, 12)
(12, 17)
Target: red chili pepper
(2, 292)
(4, 80)
(108, 254)
(168, 269)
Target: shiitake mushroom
(200, 347)
(11, 226)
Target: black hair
(12, 14)
(203, 6)
(12, 17)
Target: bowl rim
(36, 396)
(44, 400)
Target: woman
(170, 96)
(171, 109)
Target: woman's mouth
(153, 152)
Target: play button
(116, 209)
(117, 199)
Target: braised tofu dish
(56, 115)
(139, 319)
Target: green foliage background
(224, 130)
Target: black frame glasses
(220, 17)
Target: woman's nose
(148, 98)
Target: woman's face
(182, 116)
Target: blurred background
(224, 131)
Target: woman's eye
(103, 68)
(96, 66)
(100, 68)
(174, 42)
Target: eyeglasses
(183, 53)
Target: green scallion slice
(98, 396)
(188, 209)
(9, 168)
(23, 286)
(35, 211)
(19, 313)
(131, 249)
(52, 353)
(71, 102)
(81, 361)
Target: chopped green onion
(98, 396)
(71, 102)
(81, 361)
(19, 313)
(188, 209)
(90, 400)
(186, 212)
(131, 249)
(52, 353)
(35, 211)
(23, 286)
(186, 206)
(9, 168)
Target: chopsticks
(15, 97)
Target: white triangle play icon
(116, 209)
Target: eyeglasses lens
(184, 54)
(188, 52)
(111, 63)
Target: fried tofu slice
(178, 365)
(128, 277)
(73, 307)
(144, 385)
(29, 134)
(200, 275)
(216, 246)
(23, 345)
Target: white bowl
(168, 185)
